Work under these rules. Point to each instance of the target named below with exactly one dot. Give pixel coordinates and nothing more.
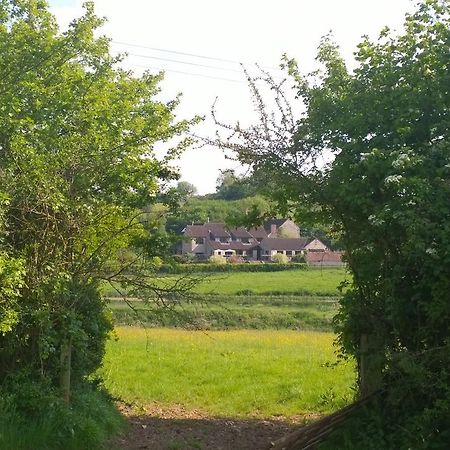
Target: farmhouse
(255, 244)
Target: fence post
(370, 365)
(66, 363)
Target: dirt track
(157, 428)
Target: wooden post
(65, 370)
(370, 365)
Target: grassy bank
(234, 373)
(233, 312)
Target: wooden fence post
(66, 367)
(370, 365)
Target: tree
(371, 156)
(76, 167)
(186, 189)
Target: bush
(298, 259)
(212, 268)
(33, 416)
(217, 259)
(280, 258)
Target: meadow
(314, 281)
(241, 373)
(222, 312)
(245, 345)
(295, 299)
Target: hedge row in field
(245, 267)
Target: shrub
(280, 258)
(217, 259)
(212, 268)
(298, 259)
(235, 259)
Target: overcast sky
(222, 34)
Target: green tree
(186, 189)
(76, 167)
(371, 157)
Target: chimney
(273, 228)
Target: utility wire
(195, 55)
(187, 73)
(185, 62)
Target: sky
(201, 43)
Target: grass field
(231, 312)
(235, 373)
(303, 282)
(314, 281)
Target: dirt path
(175, 428)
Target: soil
(158, 428)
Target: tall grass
(234, 373)
(233, 312)
(87, 424)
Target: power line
(187, 73)
(185, 62)
(195, 55)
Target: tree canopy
(76, 167)
(371, 156)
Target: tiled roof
(217, 229)
(240, 232)
(196, 231)
(283, 244)
(278, 222)
(258, 232)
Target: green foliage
(217, 260)
(76, 166)
(238, 267)
(32, 415)
(204, 209)
(280, 258)
(244, 310)
(384, 187)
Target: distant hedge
(244, 267)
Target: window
(199, 240)
(228, 253)
(245, 240)
(219, 252)
(224, 240)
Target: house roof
(217, 229)
(258, 233)
(278, 222)
(240, 232)
(196, 231)
(283, 244)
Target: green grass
(314, 281)
(48, 424)
(303, 282)
(233, 312)
(233, 373)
